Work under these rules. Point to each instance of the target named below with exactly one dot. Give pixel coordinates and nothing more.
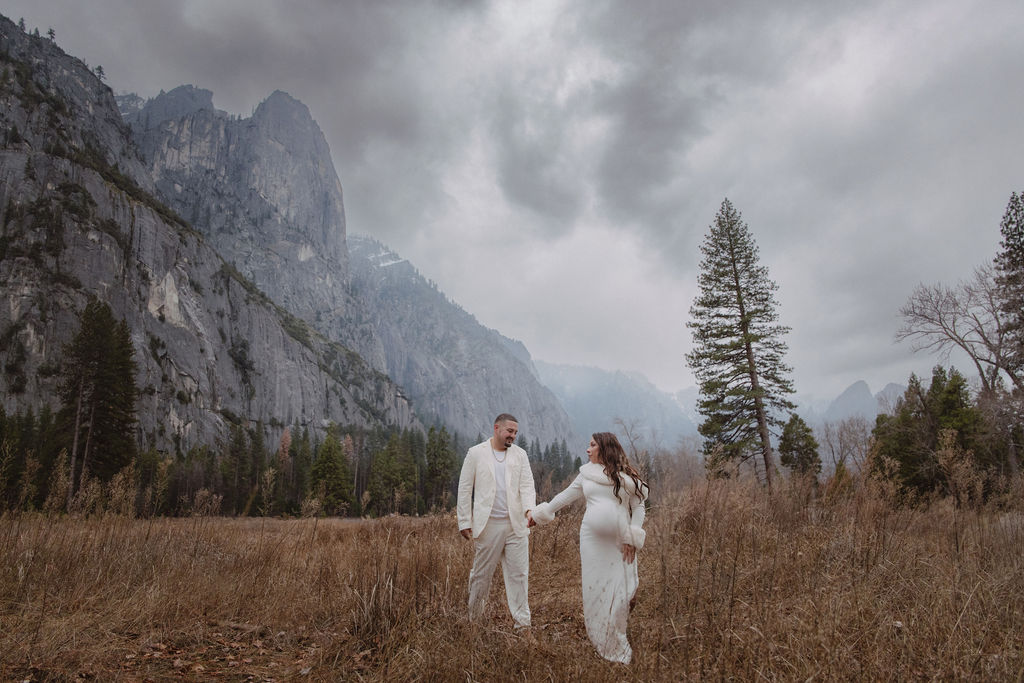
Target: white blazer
(477, 487)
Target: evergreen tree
(114, 430)
(329, 477)
(285, 499)
(565, 463)
(392, 478)
(46, 450)
(798, 449)
(415, 444)
(257, 462)
(1009, 264)
(906, 442)
(17, 435)
(302, 461)
(232, 467)
(441, 466)
(738, 345)
(98, 395)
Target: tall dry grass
(735, 584)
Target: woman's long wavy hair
(612, 456)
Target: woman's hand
(628, 553)
(529, 520)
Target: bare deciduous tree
(847, 443)
(938, 318)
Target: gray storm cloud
(869, 146)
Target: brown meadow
(734, 584)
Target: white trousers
(498, 542)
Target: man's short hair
(505, 417)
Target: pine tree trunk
(74, 442)
(88, 438)
(766, 443)
(762, 418)
(755, 387)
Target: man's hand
(628, 553)
(529, 520)
(466, 533)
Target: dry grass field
(734, 584)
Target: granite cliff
(81, 218)
(457, 371)
(261, 190)
(264, 192)
(222, 242)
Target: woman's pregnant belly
(602, 520)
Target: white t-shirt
(499, 510)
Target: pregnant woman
(610, 535)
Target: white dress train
(609, 582)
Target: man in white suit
(496, 491)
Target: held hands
(466, 533)
(529, 520)
(628, 553)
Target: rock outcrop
(264, 191)
(456, 371)
(81, 219)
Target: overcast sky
(555, 165)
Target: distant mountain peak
(596, 398)
(858, 401)
(280, 108)
(181, 101)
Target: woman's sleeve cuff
(542, 514)
(639, 536)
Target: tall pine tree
(1009, 264)
(738, 346)
(98, 394)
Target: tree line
(70, 459)
(346, 471)
(74, 458)
(940, 437)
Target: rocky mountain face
(595, 399)
(261, 190)
(81, 219)
(858, 401)
(855, 401)
(456, 370)
(264, 192)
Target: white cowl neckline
(594, 472)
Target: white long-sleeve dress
(609, 582)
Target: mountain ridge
(81, 219)
(243, 198)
